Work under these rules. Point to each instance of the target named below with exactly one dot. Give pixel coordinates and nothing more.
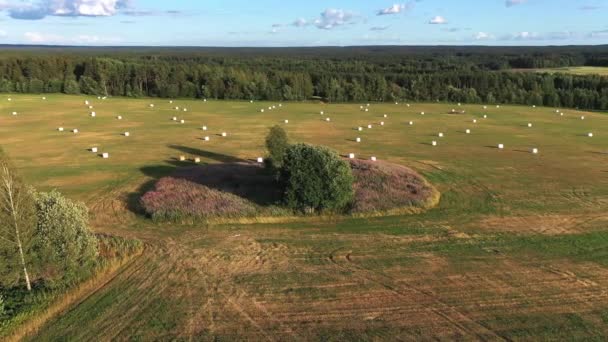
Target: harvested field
(515, 250)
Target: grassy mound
(238, 190)
(178, 198)
(385, 187)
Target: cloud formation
(30, 10)
(438, 20)
(49, 38)
(332, 18)
(395, 9)
(511, 3)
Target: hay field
(516, 250)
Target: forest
(332, 74)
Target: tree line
(357, 74)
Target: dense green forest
(458, 74)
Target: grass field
(516, 250)
(584, 70)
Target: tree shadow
(244, 178)
(251, 181)
(222, 158)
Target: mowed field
(516, 250)
(584, 70)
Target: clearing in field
(515, 250)
(583, 70)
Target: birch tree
(17, 223)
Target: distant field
(516, 250)
(602, 71)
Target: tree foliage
(66, 247)
(316, 179)
(353, 74)
(277, 143)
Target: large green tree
(316, 179)
(277, 143)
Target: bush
(64, 243)
(316, 179)
(277, 143)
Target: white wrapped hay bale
(260, 160)
(127, 134)
(373, 159)
(105, 155)
(434, 143)
(204, 128)
(534, 151)
(75, 131)
(119, 117)
(440, 135)
(590, 135)
(501, 146)
(358, 140)
(286, 121)
(360, 129)
(224, 134)
(411, 123)
(207, 138)
(529, 125)
(14, 113)
(93, 114)
(60, 129)
(182, 121)
(468, 131)
(197, 160)
(328, 119)
(182, 158)
(94, 149)
(351, 156)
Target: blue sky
(303, 23)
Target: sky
(277, 23)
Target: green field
(584, 70)
(516, 250)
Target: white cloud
(72, 8)
(483, 36)
(438, 20)
(395, 9)
(300, 22)
(511, 3)
(526, 35)
(49, 38)
(332, 18)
